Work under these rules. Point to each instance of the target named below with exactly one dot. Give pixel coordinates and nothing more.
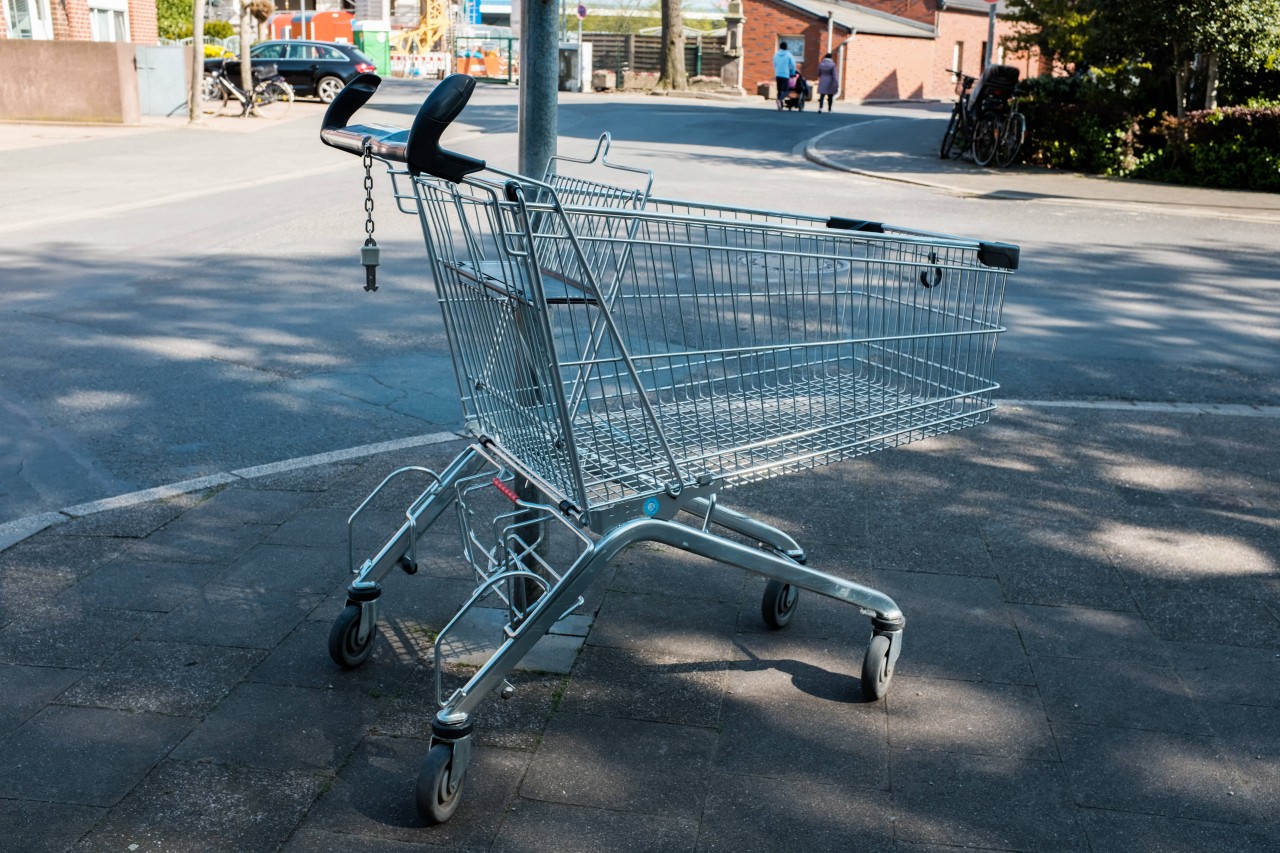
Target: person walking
(828, 85)
(784, 68)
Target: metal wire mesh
(615, 351)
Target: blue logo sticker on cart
(651, 507)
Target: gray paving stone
(28, 826)
(532, 825)
(746, 814)
(789, 738)
(1124, 832)
(302, 660)
(1002, 720)
(665, 625)
(129, 584)
(957, 627)
(790, 667)
(87, 756)
(950, 549)
(233, 616)
(1193, 616)
(1229, 674)
(476, 636)
(620, 683)
(1117, 693)
(1035, 574)
(373, 796)
(1251, 737)
(192, 539)
(70, 636)
(290, 568)
(235, 505)
(515, 723)
(281, 728)
(206, 808)
(49, 552)
(24, 690)
(1088, 634)
(134, 522)
(1156, 773)
(979, 801)
(21, 589)
(655, 569)
(315, 841)
(624, 765)
(178, 679)
(322, 527)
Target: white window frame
(795, 47)
(110, 6)
(41, 20)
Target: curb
(13, 532)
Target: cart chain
(369, 252)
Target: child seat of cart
(993, 89)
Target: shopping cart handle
(435, 115)
(389, 143)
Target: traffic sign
(582, 11)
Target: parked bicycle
(271, 96)
(983, 110)
(1013, 132)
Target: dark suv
(317, 69)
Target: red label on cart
(506, 490)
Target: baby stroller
(797, 93)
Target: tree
(673, 75)
(1182, 42)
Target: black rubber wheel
(344, 647)
(985, 138)
(875, 666)
(778, 604)
(436, 803)
(949, 137)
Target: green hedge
(1088, 125)
(1231, 148)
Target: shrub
(219, 29)
(1232, 148)
(1078, 123)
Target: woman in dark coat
(827, 84)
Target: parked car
(315, 69)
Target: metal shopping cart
(623, 359)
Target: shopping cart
(623, 359)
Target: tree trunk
(196, 111)
(673, 74)
(246, 40)
(1211, 82)
(1182, 74)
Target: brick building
(884, 49)
(79, 20)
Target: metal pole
(196, 108)
(991, 35)
(539, 74)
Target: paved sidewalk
(1092, 663)
(901, 144)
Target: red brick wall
(143, 28)
(877, 67)
(766, 21)
(70, 19)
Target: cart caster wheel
(779, 603)
(875, 669)
(436, 802)
(409, 567)
(344, 645)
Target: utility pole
(196, 110)
(539, 79)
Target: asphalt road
(188, 301)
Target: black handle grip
(351, 98)
(437, 112)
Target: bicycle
(1013, 132)
(980, 113)
(270, 98)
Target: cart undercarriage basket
(623, 359)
